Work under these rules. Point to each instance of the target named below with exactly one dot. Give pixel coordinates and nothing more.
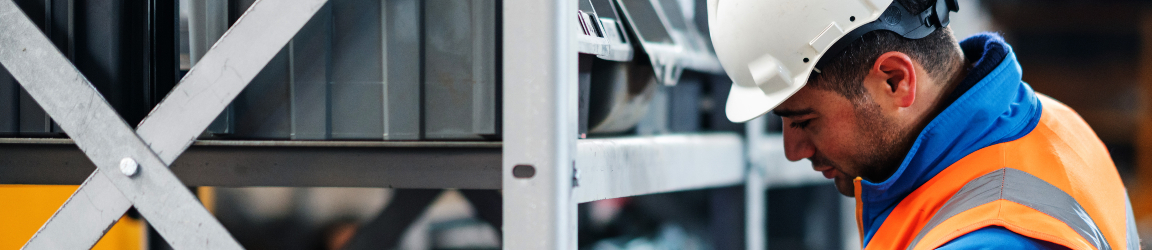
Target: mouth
(829, 172)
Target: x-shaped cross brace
(168, 130)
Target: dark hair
(842, 73)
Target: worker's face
(844, 139)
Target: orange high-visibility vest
(1056, 184)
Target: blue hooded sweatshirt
(990, 106)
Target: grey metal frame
(227, 163)
(622, 167)
(109, 142)
(540, 116)
(755, 203)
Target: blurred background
(428, 70)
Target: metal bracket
(175, 123)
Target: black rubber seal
(897, 19)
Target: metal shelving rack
(542, 167)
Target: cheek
(838, 139)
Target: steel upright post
(755, 201)
(540, 88)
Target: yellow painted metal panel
(24, 208)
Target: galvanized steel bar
(222, 73)
(84, 217)
(755, 195)
(72, 225)
(394, 164)
(622, 167)
(540, 87)
(200, 97)
(755, 210)
(107, 140)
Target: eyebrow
(791, 113)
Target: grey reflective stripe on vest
(1023, 188)
(1131, 234)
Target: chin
(846, 188)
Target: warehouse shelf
(536, 117)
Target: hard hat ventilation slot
(852, 18)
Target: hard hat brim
(747, 103)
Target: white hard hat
(770, 47)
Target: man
(941, 143)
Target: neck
(948, 84)
(939, 97)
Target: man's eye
(800, 125)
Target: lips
(830, 173)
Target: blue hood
(991, 105)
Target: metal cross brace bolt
(175, 123)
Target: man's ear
(895, 74)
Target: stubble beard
(883, 144)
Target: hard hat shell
(770, 47)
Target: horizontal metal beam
(470, 165)
(262, 143)
(621, 167)
(608, 168)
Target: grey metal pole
(756, 212)
(540, 88)
(754, 189)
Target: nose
(797, 145)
